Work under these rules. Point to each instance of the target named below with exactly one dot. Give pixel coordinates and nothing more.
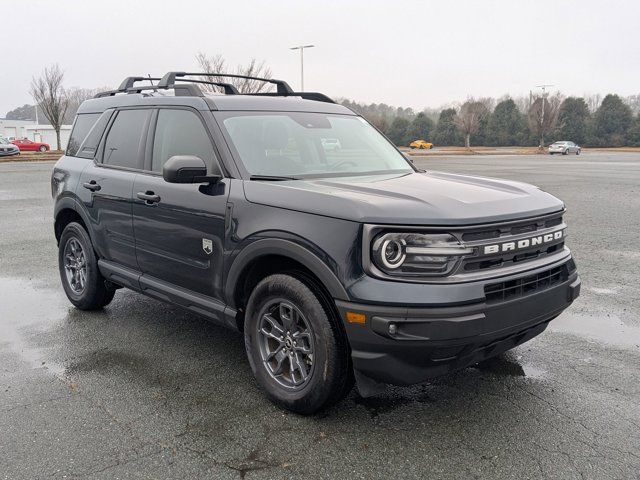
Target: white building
(38, 133)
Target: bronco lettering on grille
(524, 243)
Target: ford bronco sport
(336, 264)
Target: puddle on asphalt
(609, 329)
(25, 311)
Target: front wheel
(578, 152)
(566, 152)
(81, 279)
(295, 348)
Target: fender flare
(71, 203)
(285, 248)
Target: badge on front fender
(207, 246)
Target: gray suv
(337, 264)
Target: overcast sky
(404, 53)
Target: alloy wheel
(75, 265)
(286, 343)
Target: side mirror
(187, 169)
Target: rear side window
(81, 128)
(179, 132)
(124, 140)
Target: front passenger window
(180, 132)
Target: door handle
(92, 185)
(149, 197)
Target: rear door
(180, 232)
(106, 185)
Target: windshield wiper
(272, 178)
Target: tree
(573, 119)
(506, 124)
(399, 131)
(446, 132)
(634, 132)
(217, 64)
(76, 96)
(49, 94)
(611, 122)
(25, 112)
(421, 128)
(469, 119)
(543, 115)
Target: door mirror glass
(187, 169)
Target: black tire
(566, 152)
(42, 148)
(578, 152)
(94, 293)
(329, 377)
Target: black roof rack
(170, 78)
(126, 84)
(168, 81)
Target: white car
(7, 148)
(564, 147)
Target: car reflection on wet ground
(146, 390)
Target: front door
(179, 228)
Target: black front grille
(520, 287)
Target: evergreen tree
(573, 120)
(421, 128)
(633, 138)
(611, 122)
(506, 125)
(398, 131)
(446, 132)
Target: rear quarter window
(81, 128)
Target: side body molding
(286, 248)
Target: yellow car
(420, 144)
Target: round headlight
(393, 254)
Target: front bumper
(405, 345)
(9, 153)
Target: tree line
(588, 121)
(591, 120)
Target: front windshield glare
(300, 144)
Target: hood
(432, 198)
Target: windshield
(4, 140)
(299, 144)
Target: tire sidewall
(318, 389)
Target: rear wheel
(294, 346)
(81, 279)
(43, 148)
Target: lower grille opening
(520, 287)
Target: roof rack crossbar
(228, 88)
(282, 87)
(126, 84)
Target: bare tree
(76, 96)
(49, 94)
(543, 115)
(217, 64)
(593, 101)
(469, 117)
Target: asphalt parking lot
(146, 390)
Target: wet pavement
(146, 390)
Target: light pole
(544, 97)
(301, 48)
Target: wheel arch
(67, 211)
(268, 256)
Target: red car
(26, 145)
